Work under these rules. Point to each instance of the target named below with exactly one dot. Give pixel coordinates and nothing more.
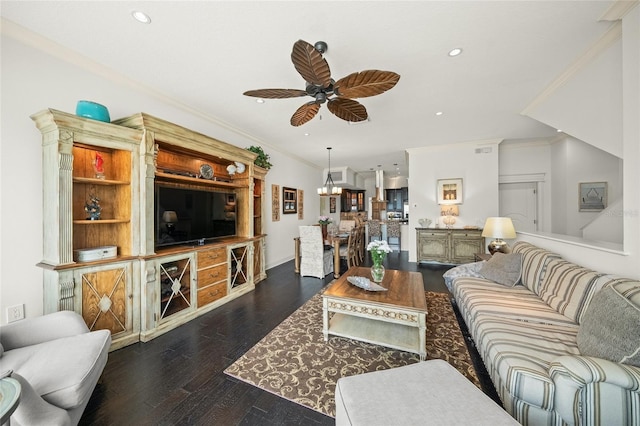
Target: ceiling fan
(308, 61)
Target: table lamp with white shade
(498, 228)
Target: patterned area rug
(293, 361)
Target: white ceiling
(205, 54)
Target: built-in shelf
(100, 221)
(187, 179)
(96, 181)
(114, 169)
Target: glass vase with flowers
(378, 250)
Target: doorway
(519, 201)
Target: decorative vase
(377, 272)
(324, 231)
(93, 110)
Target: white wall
(631, 137)
(479, 173)
(522, 159)
(587, 101)
(292, 174)
(564, 162)
(583, 163)
(600, 104)
(32, 81)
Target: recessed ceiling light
(141, 17)
(455, 52)
(439, 113)
(260, 101)
(307, 134)
(559, 130)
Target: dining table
(332, 240)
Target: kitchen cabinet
(396, 199)
(352, 200)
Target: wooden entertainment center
(111, 170)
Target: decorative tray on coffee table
(365, 284)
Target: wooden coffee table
(395, 318)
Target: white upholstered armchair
(57, 362)
(315, 261)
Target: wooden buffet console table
(395, 318)
(456, 245)
(142, 291)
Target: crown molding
(618, 10)
(601, 45)
(49, 47)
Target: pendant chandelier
(329, 187)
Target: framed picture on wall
(593, 196)
(300, 204)
(275, 203)
(289, 200)
(450, 191)
(332, 204)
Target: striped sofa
(527, 336)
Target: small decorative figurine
(98, 165)
(93, 208)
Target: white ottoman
(426, 393)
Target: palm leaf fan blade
(305, 113)
(366, 83)
(275, 93)
(347, 109)
(310, 64)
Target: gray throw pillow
(504, 269)
(610, 328)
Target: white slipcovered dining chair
(315, 261)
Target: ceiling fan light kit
(338, 95)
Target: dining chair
(375, 230)
(360, 246)
(315, 261)
(350, 251)
(393, 231)
(346, 225)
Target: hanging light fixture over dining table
(329, 187)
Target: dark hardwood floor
(178, 377)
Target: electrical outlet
(15, 313)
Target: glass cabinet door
(175, 286)
(239, 263)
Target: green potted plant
(262, 160)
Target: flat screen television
(192, 216)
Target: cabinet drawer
(213, 292)
(212, 257)
(430, 235)
(212, 275)
(470, 234)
